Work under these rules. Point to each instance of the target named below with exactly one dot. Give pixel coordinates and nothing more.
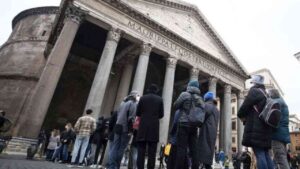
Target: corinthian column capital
(213, 80)
(75, 14)
(227, 89)
(114, 34)
(146, 48)
(171, 62)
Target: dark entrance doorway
(73, 88)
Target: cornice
(193, 9)
(156, 26)
(34, 11)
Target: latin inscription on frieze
(183, 54)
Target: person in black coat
(257, 134)
(67, 136)
(208, 133)
(150, 109)
(97, 139)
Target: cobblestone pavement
(20, 162)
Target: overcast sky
(261, 33)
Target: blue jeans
(116, 153)
(263, 159)
(81, 141)
(56, 154)
(64, 152)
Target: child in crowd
(53, 143)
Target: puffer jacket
(282, 133)
(256, 132)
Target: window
(233, 127)
(233, 110)
(233, 139)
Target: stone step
(19, 145)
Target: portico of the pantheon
(89, 54)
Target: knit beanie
(208, 96)
(194, 83)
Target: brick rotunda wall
(22, 58)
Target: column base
(19, 145)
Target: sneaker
(71, 165)
(79, 166)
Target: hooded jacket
(282, 133)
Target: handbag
(167, 149)
(136, 123)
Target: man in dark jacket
(257, 134)
(208, 133)
(281, 135)
(97, 140)
(66, 138)
(150, 109)
(187, 133)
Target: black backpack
(271, 112)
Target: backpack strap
(266, 96)
(263, 93)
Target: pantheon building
(89, 54)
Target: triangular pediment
(176, 16)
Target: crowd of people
(134, 130)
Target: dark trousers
(186, 141)
(207, 166)
(151, 147)
(172, 159)
(97, 152)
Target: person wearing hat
(257, 134)
(208, 133)
(150, 109)
(187, 133)
(122, 129)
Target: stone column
(41, 98)
(227, 119)
(213, 85)
(240, 126)
(194, 74)
(96, 96)
(124, 85)
(141, 70)
(221, 126)
(167, 98)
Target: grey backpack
(271, 112)
(196, 114)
